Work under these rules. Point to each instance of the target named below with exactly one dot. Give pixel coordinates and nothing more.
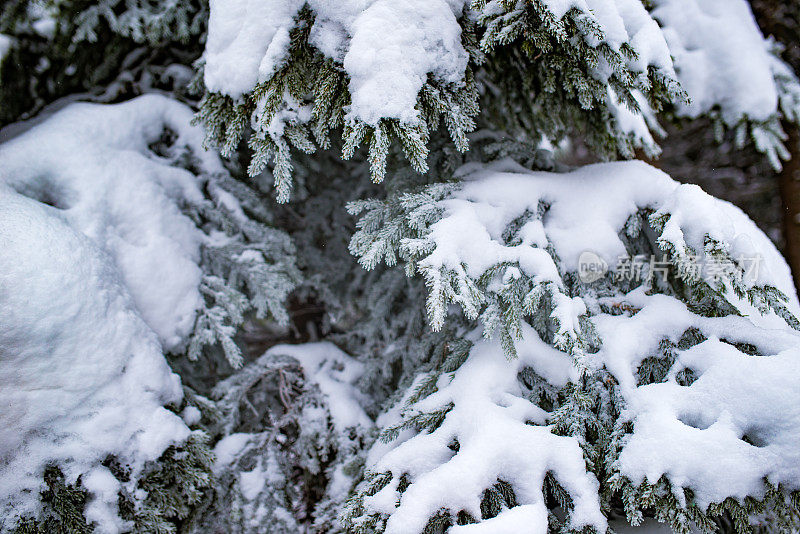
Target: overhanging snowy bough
(585, 396)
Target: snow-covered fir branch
(280, 266)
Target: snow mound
(83, 375)
(98, 277)
(92, 164)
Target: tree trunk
(781, 19)
(790, 197)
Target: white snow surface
(714, 48)
(92, 163)
(388, 48)
(743, 410)
(721, 57)
(247, 39)
(83, 376)
(98, 277)
(5, 45)
(588, 207)
(488, 419)
(736, 396)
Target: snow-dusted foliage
(366, 67)
(730, 71)
(104, 270)
(308, 430)
(113, 49)
(180, 240)
(141, 20)
(586, 392)
(386, 71)
(395, 305)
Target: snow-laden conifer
(121, 240)
(498, 341)
(639, 373)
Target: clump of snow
(388, 48)
(587, 208)
(721, 57)
(191, 415)
(228, 448)
(98, 277)
(83, 376)
(586, 211)
(735, 397)
(5, 45)
(501, 435)
(394, 46)
(335, 373)
(677, 428)
(91, 163)
(247, 39)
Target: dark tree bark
(790, 196)
(781, 19)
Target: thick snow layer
(588, 208)
(98, 276)
(712, 47)
(83, 376)
(246, 40)
(393, 48)
(92, 164)
(721, 57)
(735, 397)
(488, 419)
(388, 48)
(742, 409)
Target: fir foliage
(560, 76)
(164, 494)
(513, 321)
(590, 408)
(75, 46)
(306, 99)
(63, 505)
